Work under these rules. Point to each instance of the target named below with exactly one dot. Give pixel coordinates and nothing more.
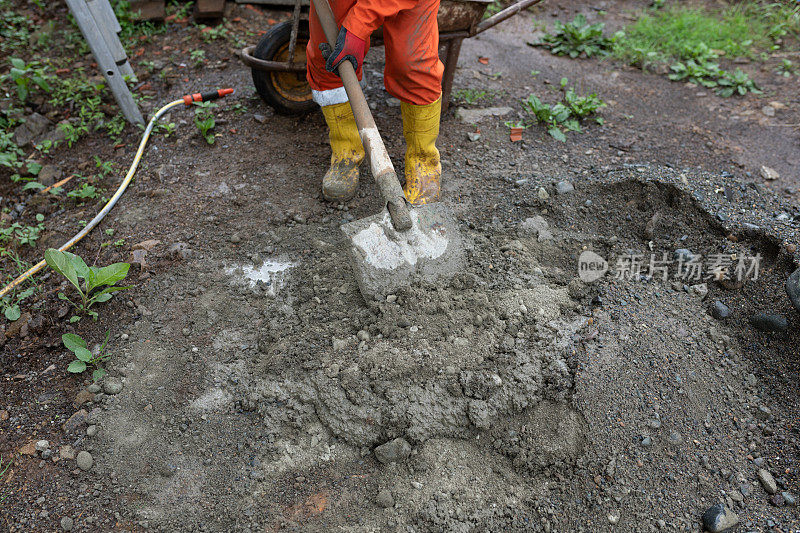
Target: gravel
(67, 523)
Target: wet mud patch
(530, 399)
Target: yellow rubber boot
(423, 167)
(340, 183)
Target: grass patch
(739, 30)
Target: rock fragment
(719, 518)
(393, 451)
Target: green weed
(99, 283)
(787, 68)
(578, 38)
(23, 233)
(84, 357)
(204, 120)
(471, 96)
(564, 116)
(25, 76)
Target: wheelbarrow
(278, 61)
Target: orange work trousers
(413, 72)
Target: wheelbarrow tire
(287, 93)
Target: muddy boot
(341, 181)
(423, 168)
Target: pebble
(67, 452)
(396, 450)
(94, 388)
(613, 517)
(84, 460)
(385, 499)
(718, 518)
(91, 431)
(42, 445)
(647, 441)
(789, 498)
(769, 174)
(701, 290)
(777, 500)
(769, 322)
(720, 311)
(3, 415)
(564, 187)
(675, 438)
(112, 386)
(793, 288)
(768, 111)
(543, 194)
(474, 136)
(767, 481)
(683, 254)
(67, 523)
(235, 238)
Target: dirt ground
(257, 383)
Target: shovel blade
(384, 259)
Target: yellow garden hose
(187, 101)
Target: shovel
(402, 241)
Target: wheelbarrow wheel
(287, 92)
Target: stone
(112, 386)
(769, 322)
(789, 499)
(767, 481)
(74, 422)
(777, 500)
(539, 226)
(701, 290)
(543, 194)
(83, 397)
(179, 251)
(769, 174)
(385, 499)
(34, 126)
(768, 111)
(94, 388)
(42, 445)
(67, 523)
(719, 310)
(84, 460)
(683, 254)
(474, 136)
(472, 116)
(718, 518)
(564, 187)
(67, 452)
(675, 438)
(393, 451)
(3, 415)
(793, 288)
(49, 174)
(91, 431)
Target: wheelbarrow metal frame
(451, 41)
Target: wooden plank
(152, 10)
(209, 9)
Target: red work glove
(348, 47)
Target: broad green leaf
(34, 168)
(103, 297)
(59, 262)
(62, 296)
(78, 263)
(83, 353)
(98, 374)
(72, 341)
(17, 63)
(12, 312)
(75, 318)
(32, 185)
(557, 134)
(111, 274)
(76, 367)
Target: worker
(413, 75)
